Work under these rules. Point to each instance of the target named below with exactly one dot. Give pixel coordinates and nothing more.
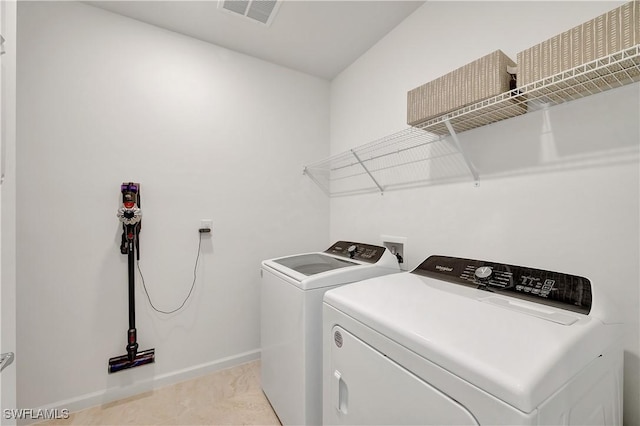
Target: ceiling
(317, 37)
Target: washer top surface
(517, 350)
(343, 262)
(313, 263)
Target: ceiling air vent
(261, 11)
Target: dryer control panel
(556, 289)
(358, 251)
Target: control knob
(483, 274)
(352, 250)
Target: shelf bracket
(456, 142)
(367, 170)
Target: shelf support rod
(367, 170)
(456, 142)
(306, 171)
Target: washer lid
(344, 262)
(313, 263)
(508, 352)
(318, 270)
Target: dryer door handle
(340, 392)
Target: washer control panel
(557, 289)
(358, 251)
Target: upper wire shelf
(430, 152)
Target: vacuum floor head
(122, 362)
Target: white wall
(209, 134)
(558, 190)
(8, 205)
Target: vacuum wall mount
(131, 217)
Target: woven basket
(481, 79)
(605, 35)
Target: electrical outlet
(206, 224)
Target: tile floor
(227, 397)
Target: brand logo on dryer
(444, 268)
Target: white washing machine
(468, 342)
(291, 321)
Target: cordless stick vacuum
(131, 216)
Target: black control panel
(564, 291)
(358, 251)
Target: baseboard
(113, 394)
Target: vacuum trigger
(123, 245)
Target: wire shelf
(411, 156)
(593, 77)
(424, 154)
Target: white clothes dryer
(291, 321)
(468, 342)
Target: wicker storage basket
(481, 79)
(604, 35)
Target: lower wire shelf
(400, 160)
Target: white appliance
(468, 342)
(291, 321)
